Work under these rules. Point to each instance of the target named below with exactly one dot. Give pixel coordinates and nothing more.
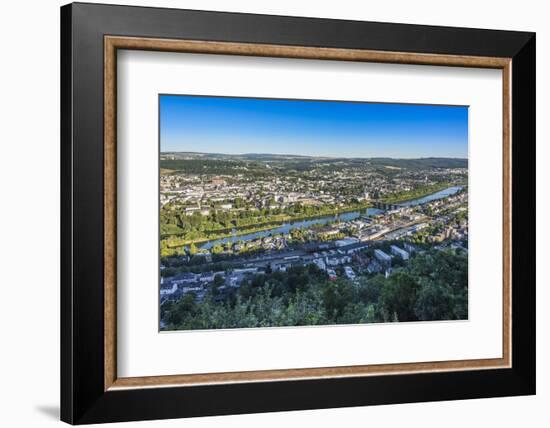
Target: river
(437, 195)
(352, 215)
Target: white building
(320, 264)
(346, 241)
(246, 270)
(169, 291)
(382, 257)
(418, 227)
(409, 247)
(399, 252)
(349, 272)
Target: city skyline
(334, 129)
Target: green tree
(176, 314)
(336, 295)
(371, 314)
(370, 289)
(217, 249)
(216, 284)
(399, 295)
(434, 302)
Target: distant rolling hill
(172, 160)
(421, 163)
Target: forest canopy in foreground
(433, 286)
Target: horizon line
(313, 156)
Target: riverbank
(172, 242)
(175, 245)
(419, 193)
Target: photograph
(283, 212)
(267, 211)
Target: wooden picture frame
(91, 390)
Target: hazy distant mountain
(420, 163)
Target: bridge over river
(347, 216)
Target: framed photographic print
(265, 213)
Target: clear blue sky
(314, 128)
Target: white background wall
(29, 214)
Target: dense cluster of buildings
(347, 261)
(237, 191)
(368, 243)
